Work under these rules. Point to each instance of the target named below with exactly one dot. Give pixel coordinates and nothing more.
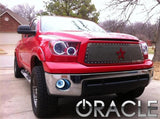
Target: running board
(26, 75)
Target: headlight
(144, 48)
(64, 47)
(59, 47)
(71, 51)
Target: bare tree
(157, 44)
(126, 9)
(113, 25)
(25, 11)
(144, 31)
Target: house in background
(9, 21)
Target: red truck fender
(39, 53)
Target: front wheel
(43, 105)
(17, 70)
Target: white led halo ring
(73, 49)
(58, 86)
(55, 45)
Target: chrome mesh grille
(108, 53)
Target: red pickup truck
(63, 56)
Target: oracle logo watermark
(84, 109)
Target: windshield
(51, 24)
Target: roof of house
(18, 18)
(2, 8)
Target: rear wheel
(17, 70)
(43, 105)
(132, 94)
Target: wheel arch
(35, 61)
(37, 57)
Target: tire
(17, 70)
(132, 94)
(43, 105)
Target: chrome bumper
(76, 88)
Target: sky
(105, 14)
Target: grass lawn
(156, 70)
(156, 65)
(150, 50)
(2, 52)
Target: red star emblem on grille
(121, 54)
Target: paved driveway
(15, 99)
(7, 60)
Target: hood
(78, 35)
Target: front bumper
(77, 68)
(99, 83)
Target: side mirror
(25, 29)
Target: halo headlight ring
(71, 51)
(144, 48)
(59, 47)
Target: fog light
(60, 84)
(63, 84)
